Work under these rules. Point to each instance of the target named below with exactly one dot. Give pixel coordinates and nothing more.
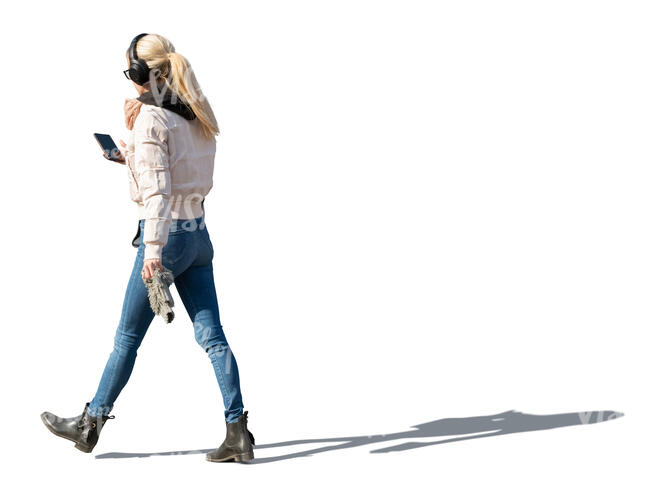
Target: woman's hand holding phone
(119, 158)
(123, 145)
(109, 148)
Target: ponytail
(184, 83)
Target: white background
(421, 211)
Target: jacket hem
(190, 209)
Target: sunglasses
(126, 74)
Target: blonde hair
(175, 71)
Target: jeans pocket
(175, 247)
(205, 237)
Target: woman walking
(170, 161)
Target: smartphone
(109, 148)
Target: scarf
(163, 98)
(160, 299)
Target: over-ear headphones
(138, 69)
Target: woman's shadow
(457, 429)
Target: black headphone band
(133, 55)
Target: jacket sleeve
(151, 159)
(129, 149)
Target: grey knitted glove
(160, 297)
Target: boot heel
(242, 458)
(83, 447)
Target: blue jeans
(188, 253)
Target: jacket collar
(164, 97)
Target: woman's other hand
(150, 265)
(131, 111)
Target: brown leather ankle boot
(238, 445)
(83, 429)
